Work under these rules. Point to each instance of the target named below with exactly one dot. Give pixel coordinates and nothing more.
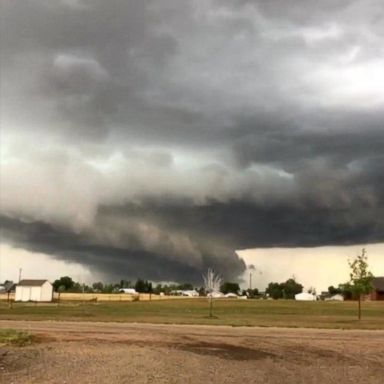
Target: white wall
(46, 291)
(35, 293)
(23, 293)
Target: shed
(304, 296)
(377, 288)
(34, 290)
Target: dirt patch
(14, 359)
(226, 351)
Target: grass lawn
(13, 337)
(279, 313)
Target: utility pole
(20, 270)
(250, 280)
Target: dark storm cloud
(340, 138)
(247, 223)
(156, 138)
(126, 257)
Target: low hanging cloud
(155, 139)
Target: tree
(312, 291)
(185, 287)
(65, 281)
(77, 287)
(158, 289)
(290, 288)
(87, 288)
(201, 291)
(142, 286)
(228, 287)
(347, 291)
(166, 289)
(334, 291)
(274, 290)
(98, 286)
(212, 283)
(125, 284)
(286, 290)
(360, 278)
(110, 287)
(251, 293)
(60, 289)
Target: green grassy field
(280, 313)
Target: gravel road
(88, 352)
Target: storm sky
(155, 138)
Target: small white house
(304, 296)
(215, 294)
(189, 293)
(131, 291)
(34, 290)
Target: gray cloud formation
(156, 138)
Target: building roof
(31, 283)
(378, 284)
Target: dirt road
(80, 352)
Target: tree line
(67, 284)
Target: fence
(110, 297)
(100, 297)
(6, 297)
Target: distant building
(324, 295)
(337, 297)
(304, 296)
(34, 290)
(131, 291)
(377, 288)
(215, 294)
(185, 292)
(231, 295)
